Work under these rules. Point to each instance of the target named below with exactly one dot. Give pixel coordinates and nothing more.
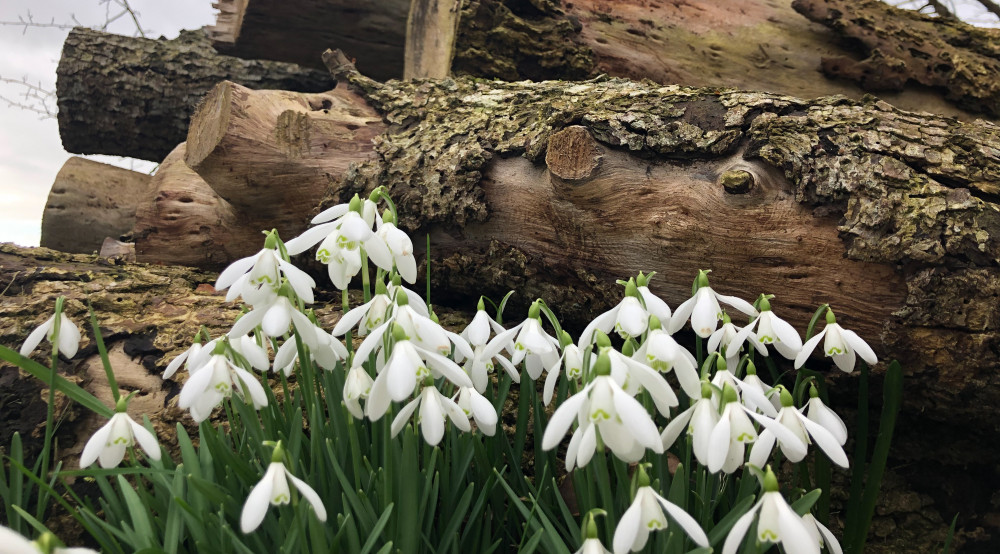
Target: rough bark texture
(372, 32)
(904, 46)
(890, 216)
(128, 96)
(89, 202)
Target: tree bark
(90, 202)
(133, 97)
(908, 47)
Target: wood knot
(737, 181)
(573, 154)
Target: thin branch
(35, 98)
(30, 22)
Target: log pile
(557, 188)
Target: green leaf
(377, 530)
(804, 504)
(71, 390)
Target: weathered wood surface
(431, 29)
(90, 201)
(128, 96)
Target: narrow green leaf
(376, 532)
(71, 390)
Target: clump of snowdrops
(428, 439)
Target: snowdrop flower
(257, 278)
(750, 396)
(840, 344)
(777, 523)
(646, 514)
(592, 546)
(480, 409)
(824, 416)
(109, 443)
(727, 444)
(400, 246)
(771, 330)
(273, 490)
(14, 543)
(480, 364)
(341, 239)
(357, 385)
(571, 360)
(699, 420)
(704, 310)
(752, 381)
(629, 318)
(407, 365)
(724, 340)
(634, 376)
(326, 353)
(68, 339)
(624, 424)
(367, 316)
(211, 383)
(661, 352)
(532, 345)
(822, 535)
(434, 409)
(803, 428)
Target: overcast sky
(30, 150)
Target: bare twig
(29, 21)
(35, 98)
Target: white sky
(30, 150)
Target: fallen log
(128, 96)
(90, 201)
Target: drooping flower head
(843, 345)
(109, 443)
(648, 513)
(64, 331)
(704, 310)
(273, 490)
(777, 523)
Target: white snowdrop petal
(739, 531)
(640, 425)
(404, 415)
(69, 337)
(331, 213)
(301, 282)
(431, 419)
(194, 387)
(762, 448)
(860, 346)
(738, 303)
(845, 361)
(36, 336)
(825, 440)
(258, 397)
(562, 418)
(682, 314)
(808, 347)
(684, 519)
(676, 426)
(454, 412)
(145, 439)
(309, 494)
(794, 535)
(257, 502)
(628, 529)
(234, 271)
(719, 442)
(111, 456)
(786, 334)
(309, 238)
(823, 415)
(655, 305)
(95, 445)
(604, 322)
